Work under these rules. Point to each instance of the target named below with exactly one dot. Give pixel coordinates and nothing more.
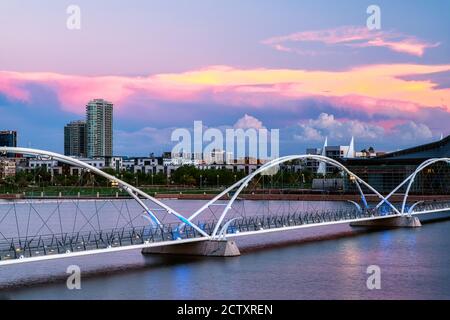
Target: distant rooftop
(435, 149)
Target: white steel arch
(412, 177)
(400, 185)
(133, 191)
(241, 184)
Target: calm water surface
(324, 263)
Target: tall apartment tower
(8, 138)
(99, 128)
(75, 139)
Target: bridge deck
(44, 247)
(69, 243)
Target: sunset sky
(309, 68)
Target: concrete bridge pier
(209, 248)
(394, 222)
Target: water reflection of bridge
(33, 230)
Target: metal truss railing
(19, 248)
(44, 245)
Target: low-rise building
(334, 152)
(148, 165)
(7, 168)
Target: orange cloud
(375, 82)
(373, 88)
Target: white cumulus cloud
(326, 125)
(248, 122)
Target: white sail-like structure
(351, 149)
(322, 165)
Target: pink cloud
(374, 106)
(74, 91)
(410, 45)
(353, 37)
(11, 88)
(373, 88)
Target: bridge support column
(394, 222)
(209, 248)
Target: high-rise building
(75, 139)
(99, 128)
(8, 138)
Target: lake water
(320, 263)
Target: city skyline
(93, 136)
(314, 73)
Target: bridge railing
(24, 247)
(434, 205)
(53, 244)
(49, 244)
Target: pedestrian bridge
(39, 229)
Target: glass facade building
(386, 172)
(75, 139)
(99, 128)
(8, 138)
